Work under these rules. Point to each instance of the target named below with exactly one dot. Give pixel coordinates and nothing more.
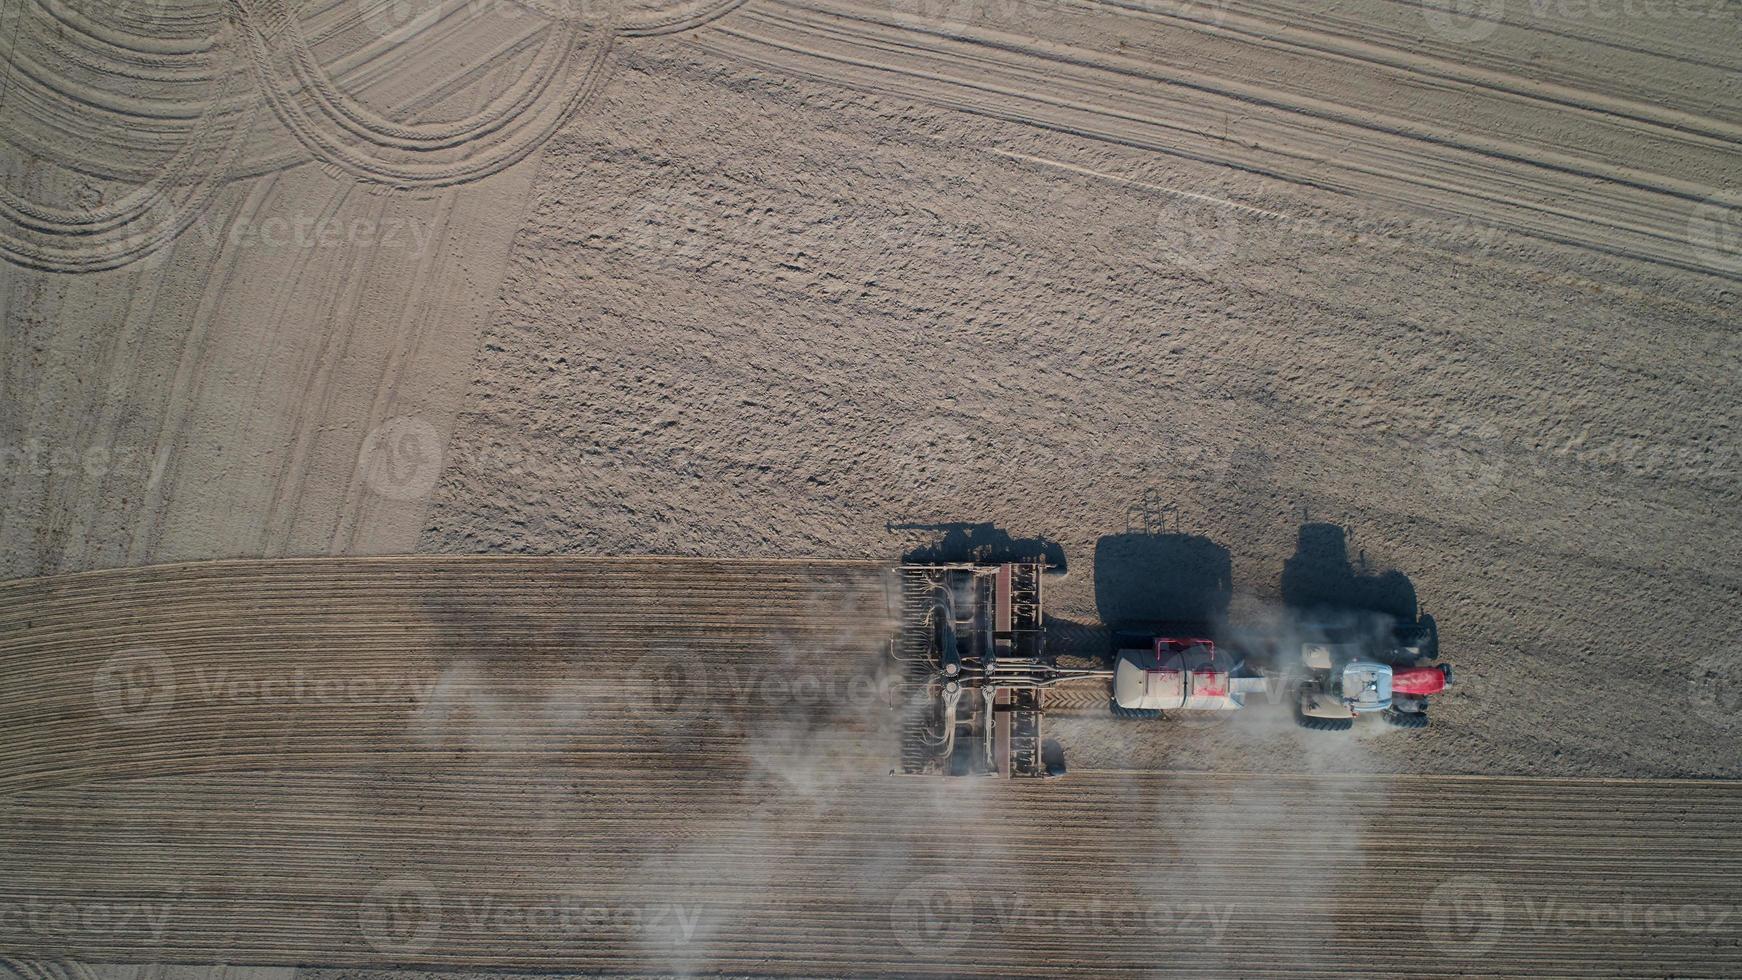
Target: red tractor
(1355, 668)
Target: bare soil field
(429, 762)
(1232, 306)
(795, 312)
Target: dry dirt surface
(1269, 266)
(666, 766)
(1232, 306)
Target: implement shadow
(983, 541)
(1145, 578)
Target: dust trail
(1246, 839)
(813, 733)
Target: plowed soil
(1228, 307)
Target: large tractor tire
(1323, 724)
(1305, 720)
(1134, 713)
(1406, 719)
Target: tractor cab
(1364, 686)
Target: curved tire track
(62, 239)
(341, 132)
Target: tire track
(390, 391)
(684, 17)
(215, 140)
(318, 393)
(1620, 209)
(87, 239)
(1278, 31)
(341, 132)
(176, 410)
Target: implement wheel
(1134, 713)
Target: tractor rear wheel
(1304, 720)
(1134, 713)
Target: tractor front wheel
(1406, 719)
(1325, 724)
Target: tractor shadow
(966, 541)
(1321, 575)
(1149, 578)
